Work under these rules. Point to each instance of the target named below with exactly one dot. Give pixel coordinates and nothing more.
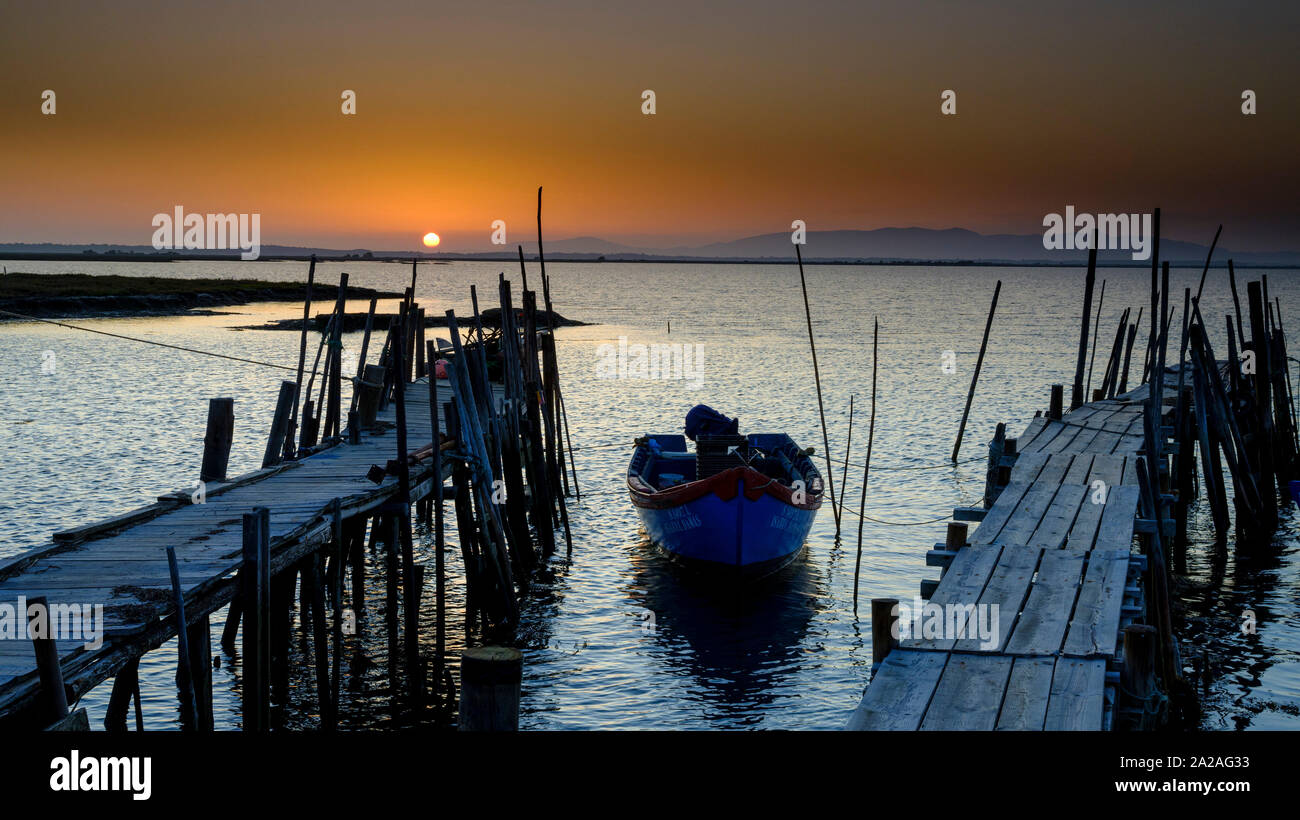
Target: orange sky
(767, 112)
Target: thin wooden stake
(979, 362)
(821, 410)
(866, 467)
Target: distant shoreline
(158, 258)
(79, 295)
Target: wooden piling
(1138, 674)
(1058, 397)
(315, 590)
(126, 684)
(490, 680)
(48, 668)
(279, 425)
(254, 582)
(289, 450)
(979, 362)
(440, 596)
(184, 674)
(1076, 394)
(1096, 328)
(217, 439)
(884, 629)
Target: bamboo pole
(817, 377)
(979, 362)
(289, 449)
(1096, 331)
(848, 448)
(1076, 390)
(866, 467)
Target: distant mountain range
(882, 245)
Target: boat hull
(742, 535)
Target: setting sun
(431, 240)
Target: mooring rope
(149, 341)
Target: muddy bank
(76, 295)
(357, 321)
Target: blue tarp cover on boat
(704, 420)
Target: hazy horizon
(829, 113)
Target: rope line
(150, 342)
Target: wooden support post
(1138, 675)
(956, 536)
(48, 667)
(290, 437)
(217, 439)
(359, 567)
(490, 679)
(126, 683)
(200, 642)
(337, 558)
(279, 425)
(1128, 353)
(992, 484)
(884, 629)
(1263, 384)
(365, 349)
(1076, 392)
(231, 630)
(979, 362)
(281, 629)
(1184, 462)
(435, 501)
(1058, 395)
(316, 590)
(254, 583)
(184, 674)
(419, 343)
(334, 409)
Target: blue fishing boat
(739, 503)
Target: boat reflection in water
(740, 642)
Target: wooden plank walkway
(122, 564)
(1053, 554)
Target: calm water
(612, 638)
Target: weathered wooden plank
(1079, 469)
(1116, 528)
(1027, 468)
(1032, 431)
(1005, 593)
(969, 694)
(1060, 515)
(1083, 532)
(997, 516)
(962, 583)
(900, 692)
(1024, 708)
(1040, 629)
(1094, 629)
(1028, 513)
(1076, 702)
(1106, 467)
(1055, 469)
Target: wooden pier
(1053, 553)
(290, 534)
(1073, 541)
(121, 563)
